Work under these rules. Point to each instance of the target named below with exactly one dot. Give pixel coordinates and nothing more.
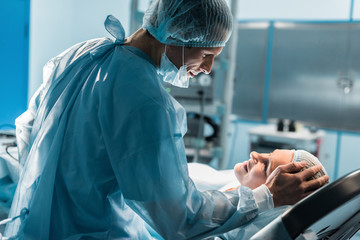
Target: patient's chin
(237, 167)
(238, 172)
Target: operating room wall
(57, 25)
(14, 39)
(338, 149)
(297, 9)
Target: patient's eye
(266, 166)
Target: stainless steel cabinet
(309, 72)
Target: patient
(254, 172)
(251, 173)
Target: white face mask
(172, 75)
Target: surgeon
(106, 157)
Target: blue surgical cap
(191, 23)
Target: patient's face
(254, 172)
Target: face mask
(172, 75)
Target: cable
(208, 120)
(8, 145)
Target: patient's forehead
(280, 157)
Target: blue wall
(14, 42)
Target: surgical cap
(311, 160)
(191, 23)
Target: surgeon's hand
(288, 185)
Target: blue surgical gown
(105, 155)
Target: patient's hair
(311, 160)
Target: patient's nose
(259, 157)
(254, 156)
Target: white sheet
(208, 178)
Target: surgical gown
(106, 155)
